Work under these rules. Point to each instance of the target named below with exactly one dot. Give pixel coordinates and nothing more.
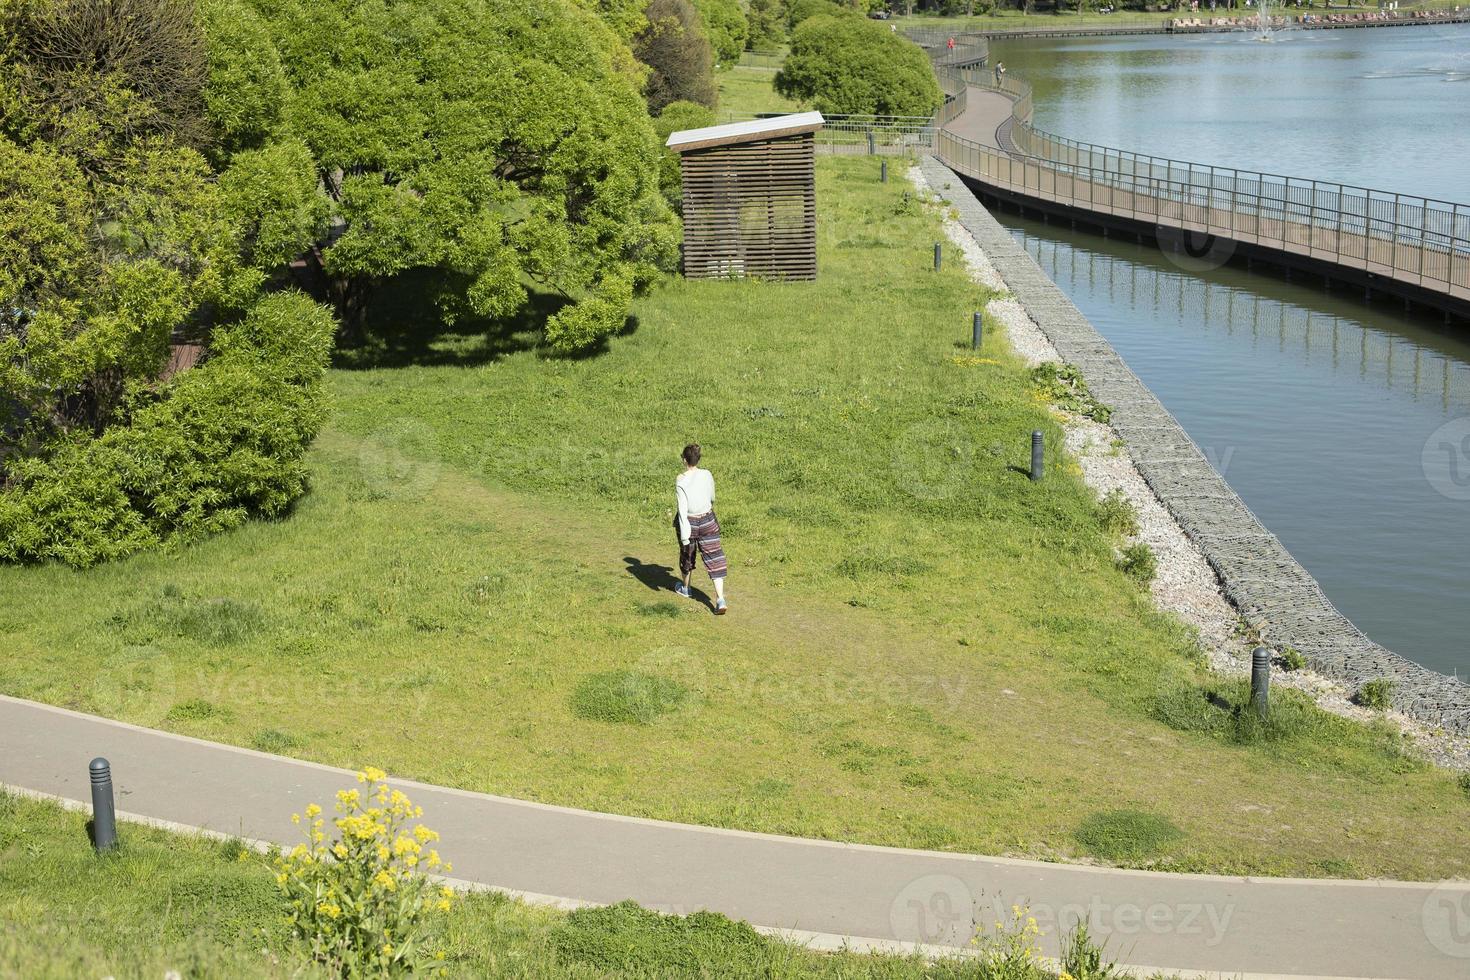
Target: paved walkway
(817, 889)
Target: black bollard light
(104, 818)
(977, 331)
(1261, 680)
(938, 256)
(870, 143)
(1038, 456)
(882, 171)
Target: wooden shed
(750, 200)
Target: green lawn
(925, 649)
(206, 909)
(744, 91)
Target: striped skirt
(704, 537)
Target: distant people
(951, 44)
(698, 530)
(1000, 72)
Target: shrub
(1138, 563)
(1116, 513)
(1126, 835)
(1290, 658)
(627, 697)
(678, 54)
(360, 904)
(1065, 387)
(218, 444)
(626, 939)
(1375, 694)
(800, 10)
(846, 64)
(1464, 782)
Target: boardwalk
(1410, 246)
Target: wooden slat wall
(750, 209)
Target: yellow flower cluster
(360, 899)
(971, 360)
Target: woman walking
(697, 527)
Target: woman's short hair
(691, 454)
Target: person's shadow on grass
(660, 578)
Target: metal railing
(1412, 239)
(857, 134)
(774, 58)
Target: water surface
(1344, 425)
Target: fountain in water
(1263, 21)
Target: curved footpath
(819, 892)
(1258, 575)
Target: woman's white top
(695, 490)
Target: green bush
(1139, 563)
(801, 10)
(843, 63)
(1290, 658)
(1116, 514)
(1375, 694)
(1064, 386)
(217, 445)
(633, 941)
(1126, 836)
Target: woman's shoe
(720, 607)
(682, 589)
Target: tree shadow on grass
(405, 328)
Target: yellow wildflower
(312, 809)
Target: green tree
(675, 117)
(801, 10)
(496, 146)
(91, 77)
(847, 64)
(766, 25)
(678, 54)
(726, 26)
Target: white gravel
(1185, 584)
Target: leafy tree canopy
(675, 117)
(502, 146)
(678, 54)
(848, 64)
(726, 26)
(766, 21)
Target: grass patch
(197, 709)
(1127, 836)
(212, 622)
(627, 697)
(274, 741)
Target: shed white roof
(745, 132)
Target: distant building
(750, 199)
